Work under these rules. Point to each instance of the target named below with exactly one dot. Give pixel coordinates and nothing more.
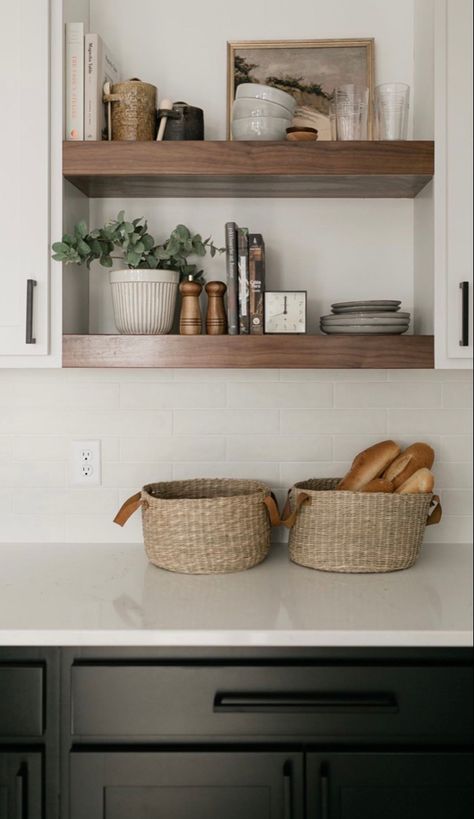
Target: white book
(74, 81)
(100, 67)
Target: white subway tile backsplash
(59, 395)
(124, 475)
(225, 422)
(455, 448)
(6, 502)
(175, 448)
(460, 398)
(267, 473)
(172, 396)
(279, 427)
(279, 448)
(279, 395)
(32, 474)
(453, 476)
(6, 448)
(418, 422)
(388, 394)
(312, 422)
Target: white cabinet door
(453, 181)
(24, 177)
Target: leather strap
(128, 508)
(273, 511)
(435, 513)
(290, 521)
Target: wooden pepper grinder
(190, 322)
(216, 319)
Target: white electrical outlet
(85, 463)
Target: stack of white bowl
(261, 112)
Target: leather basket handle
(128, 508)
(273, 510)
(435, 513)
(291, 517)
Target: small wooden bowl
(301, 134)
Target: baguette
(415, 457)
(378, 485)
(368, 465)
(422, 481)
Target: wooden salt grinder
(190, 323)
(216, 319)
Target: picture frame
(340, 61)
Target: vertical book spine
(91, 86)
(256, 282)
(244, 301)
(74, 81)
(232, 278)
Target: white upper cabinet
(453, 183)
(25, 172)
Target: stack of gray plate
(382, 317)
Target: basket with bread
(371, 520)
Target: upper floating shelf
(250, 169)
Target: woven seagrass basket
(205, 526)
(337, 531)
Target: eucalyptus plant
(136, 246)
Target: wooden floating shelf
(242, 352)
(249, 169)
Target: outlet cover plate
(85, 466)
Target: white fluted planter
(144, 301)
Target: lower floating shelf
(250, 352)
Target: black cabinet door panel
(389, 786)
(20, 785)
(21, 701)
(186, 785)
(363, 703)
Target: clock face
(285, 311)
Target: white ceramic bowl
(245, 108)
(251, 90)
(271, 128)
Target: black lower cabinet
(382, 785)
(20, 785)
(175, 785)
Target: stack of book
(245, 280)
(89, 65)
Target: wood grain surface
(398, 169)
(242, 352)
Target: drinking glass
(391, 110)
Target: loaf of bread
(369, 464)
(415, 457)
(421, 481)
(378, 485)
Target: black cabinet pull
(305, 703)
(30, 286)
(464, 287)
(324, 792)
(20, 788)
(288, 791)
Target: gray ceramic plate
(362, 305)
(365, 330)
(355, 319)
(374, 309)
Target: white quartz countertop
(108, 595)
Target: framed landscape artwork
(309, 70)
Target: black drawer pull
(464, 287)
(20, 788)
(324, 792)
(30, 286)
(305, 703)
(288, 791)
